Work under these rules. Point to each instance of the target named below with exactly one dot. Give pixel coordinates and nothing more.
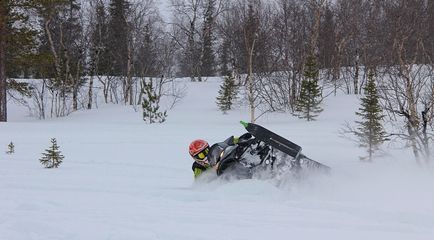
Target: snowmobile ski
(273, 139)
(284, 145)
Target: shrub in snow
(11, 148)
(52, 157)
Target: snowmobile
(261, 152)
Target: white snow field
(122, 179)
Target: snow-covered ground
(124, 180)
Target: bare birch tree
(407, 81)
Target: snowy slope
(124, 180)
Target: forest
(286, 55)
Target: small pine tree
(52, 157)
(150, 104)
(11, 148)
(308, 104)
(370, 132)
(227, 94)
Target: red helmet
(197, 146)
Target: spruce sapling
(370, 131)
(52, 157)
(227, 94)
(308, 104)
(151, 104)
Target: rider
(199, 150)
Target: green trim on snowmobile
(244, 123)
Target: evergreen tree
(118, 37)
(17, 40)
(308, 104)
(225, 58)
(73, 39)
(327, 45)
(370, 131)
(208, 57)
(151, 104)
(52, 158)
(11, 148)
(98, 49)
(63, 45)
(4, 11)
(146, 60)
(227, 94)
